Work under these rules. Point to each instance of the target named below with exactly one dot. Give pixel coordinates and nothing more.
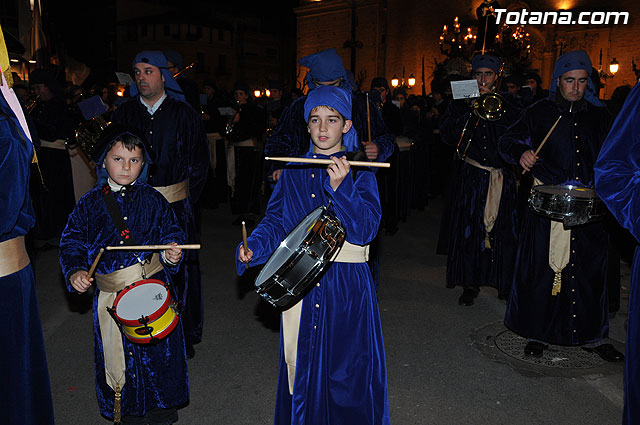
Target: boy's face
(124, 166)
(326, 128)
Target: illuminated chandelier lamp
(613, 66)
(411, 81)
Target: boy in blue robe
(336, 372)
(151, 378)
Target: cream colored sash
(494, 193)
(112, 347)
(231, 160)
(56, 144)
(559, 249)
(175, 192)
(13, 256)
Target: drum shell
(295, 278)
(565, 203)
(161, 322)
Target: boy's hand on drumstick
(528, 159)
(245, 255)
(81, 281)
(173, 254)
(338, 171)
(371, 150)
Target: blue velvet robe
(23, 366)
(291, 138)
(469, 262)
(579, 313)
(176, 135)
(156, 375)
(617, 173)
(340, 370)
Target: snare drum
(145, 311)
(570, 204)
(300, 259)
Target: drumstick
(553, 127)
(95, 263)
(150, 247)
(244, 242)
(326, 161)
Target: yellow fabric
(5, 64)
(290, 330)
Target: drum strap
(350, 253)
(112, 346)
(494, 193)
(13, 256)
(175, 192)
(559, 249)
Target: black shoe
(468, 296)
(606, 352)
(191, 352)
(534, 349)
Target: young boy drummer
(139, 383)
(332, 362)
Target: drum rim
(568, 187)
(153, 316)
(294, 253)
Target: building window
(132, 32)
(167, 30)
(272, 53)
(220, 35)
(144, 30)
(222, 64)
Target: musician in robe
(54, 200)
(122, 209)
(290, 136)
(26, 396)
(559, 287)
(482, 240)
(616, 172)
(174, 131)
(332, 361)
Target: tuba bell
(491, 106)
(88, 134)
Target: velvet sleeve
(170, 230)
(453, 122)
(516, 140)
(382, 137)
(15, 173)
(74, 244)
(266, 237)
(357, 205)
(290, 137)
(617, 170)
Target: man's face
(209, 91)
(326, 127)
(573, 84)
(485, 77)
(173, 69)
(240, 96)
(123, 166)
(512, 88)
(383, 93)
(42, 92)
(149, 80)
(276, 94)
(531, 82)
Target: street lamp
(395, 81)
(613, 66)
(411, 81)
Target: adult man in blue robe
(616, 173)
(290, 137)
(559, 288)
(482, 241)
(175, 132)
(26, 395)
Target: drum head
(568, 190)
(289, 246)
(143, 299)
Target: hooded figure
(340, 100)
(571, 61)
(326, 66)
(156, 58)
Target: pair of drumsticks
(137, 248)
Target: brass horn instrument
(491, 106)
(184, 69)
(88, 134)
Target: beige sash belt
(494, 192)
(13, 256)
(175, 192)
(559, 249)
(56, 144)
(112, 347)
(349, 253)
